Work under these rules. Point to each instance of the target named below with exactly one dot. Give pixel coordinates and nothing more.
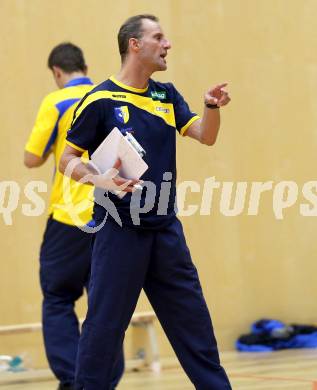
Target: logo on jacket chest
(158, 95)
(122, 114)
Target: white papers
(115, 146)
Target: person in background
(65, 255)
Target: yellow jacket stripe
(184, 128)
(75, 146)
(162, 110)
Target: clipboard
(115, 146)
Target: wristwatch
(211, 106)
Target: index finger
(121, 180)
(219, 86)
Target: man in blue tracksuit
(143, 246)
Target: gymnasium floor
(289, 370)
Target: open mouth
(163, 57)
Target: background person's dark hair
(68, 57)
(131, 28)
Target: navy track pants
(124, 261)
(65, 260)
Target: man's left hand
(217, 95)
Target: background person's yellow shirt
(70, 202)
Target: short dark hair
(68, 57)
(131, 28)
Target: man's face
(153, 46)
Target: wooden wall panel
(250, 266)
